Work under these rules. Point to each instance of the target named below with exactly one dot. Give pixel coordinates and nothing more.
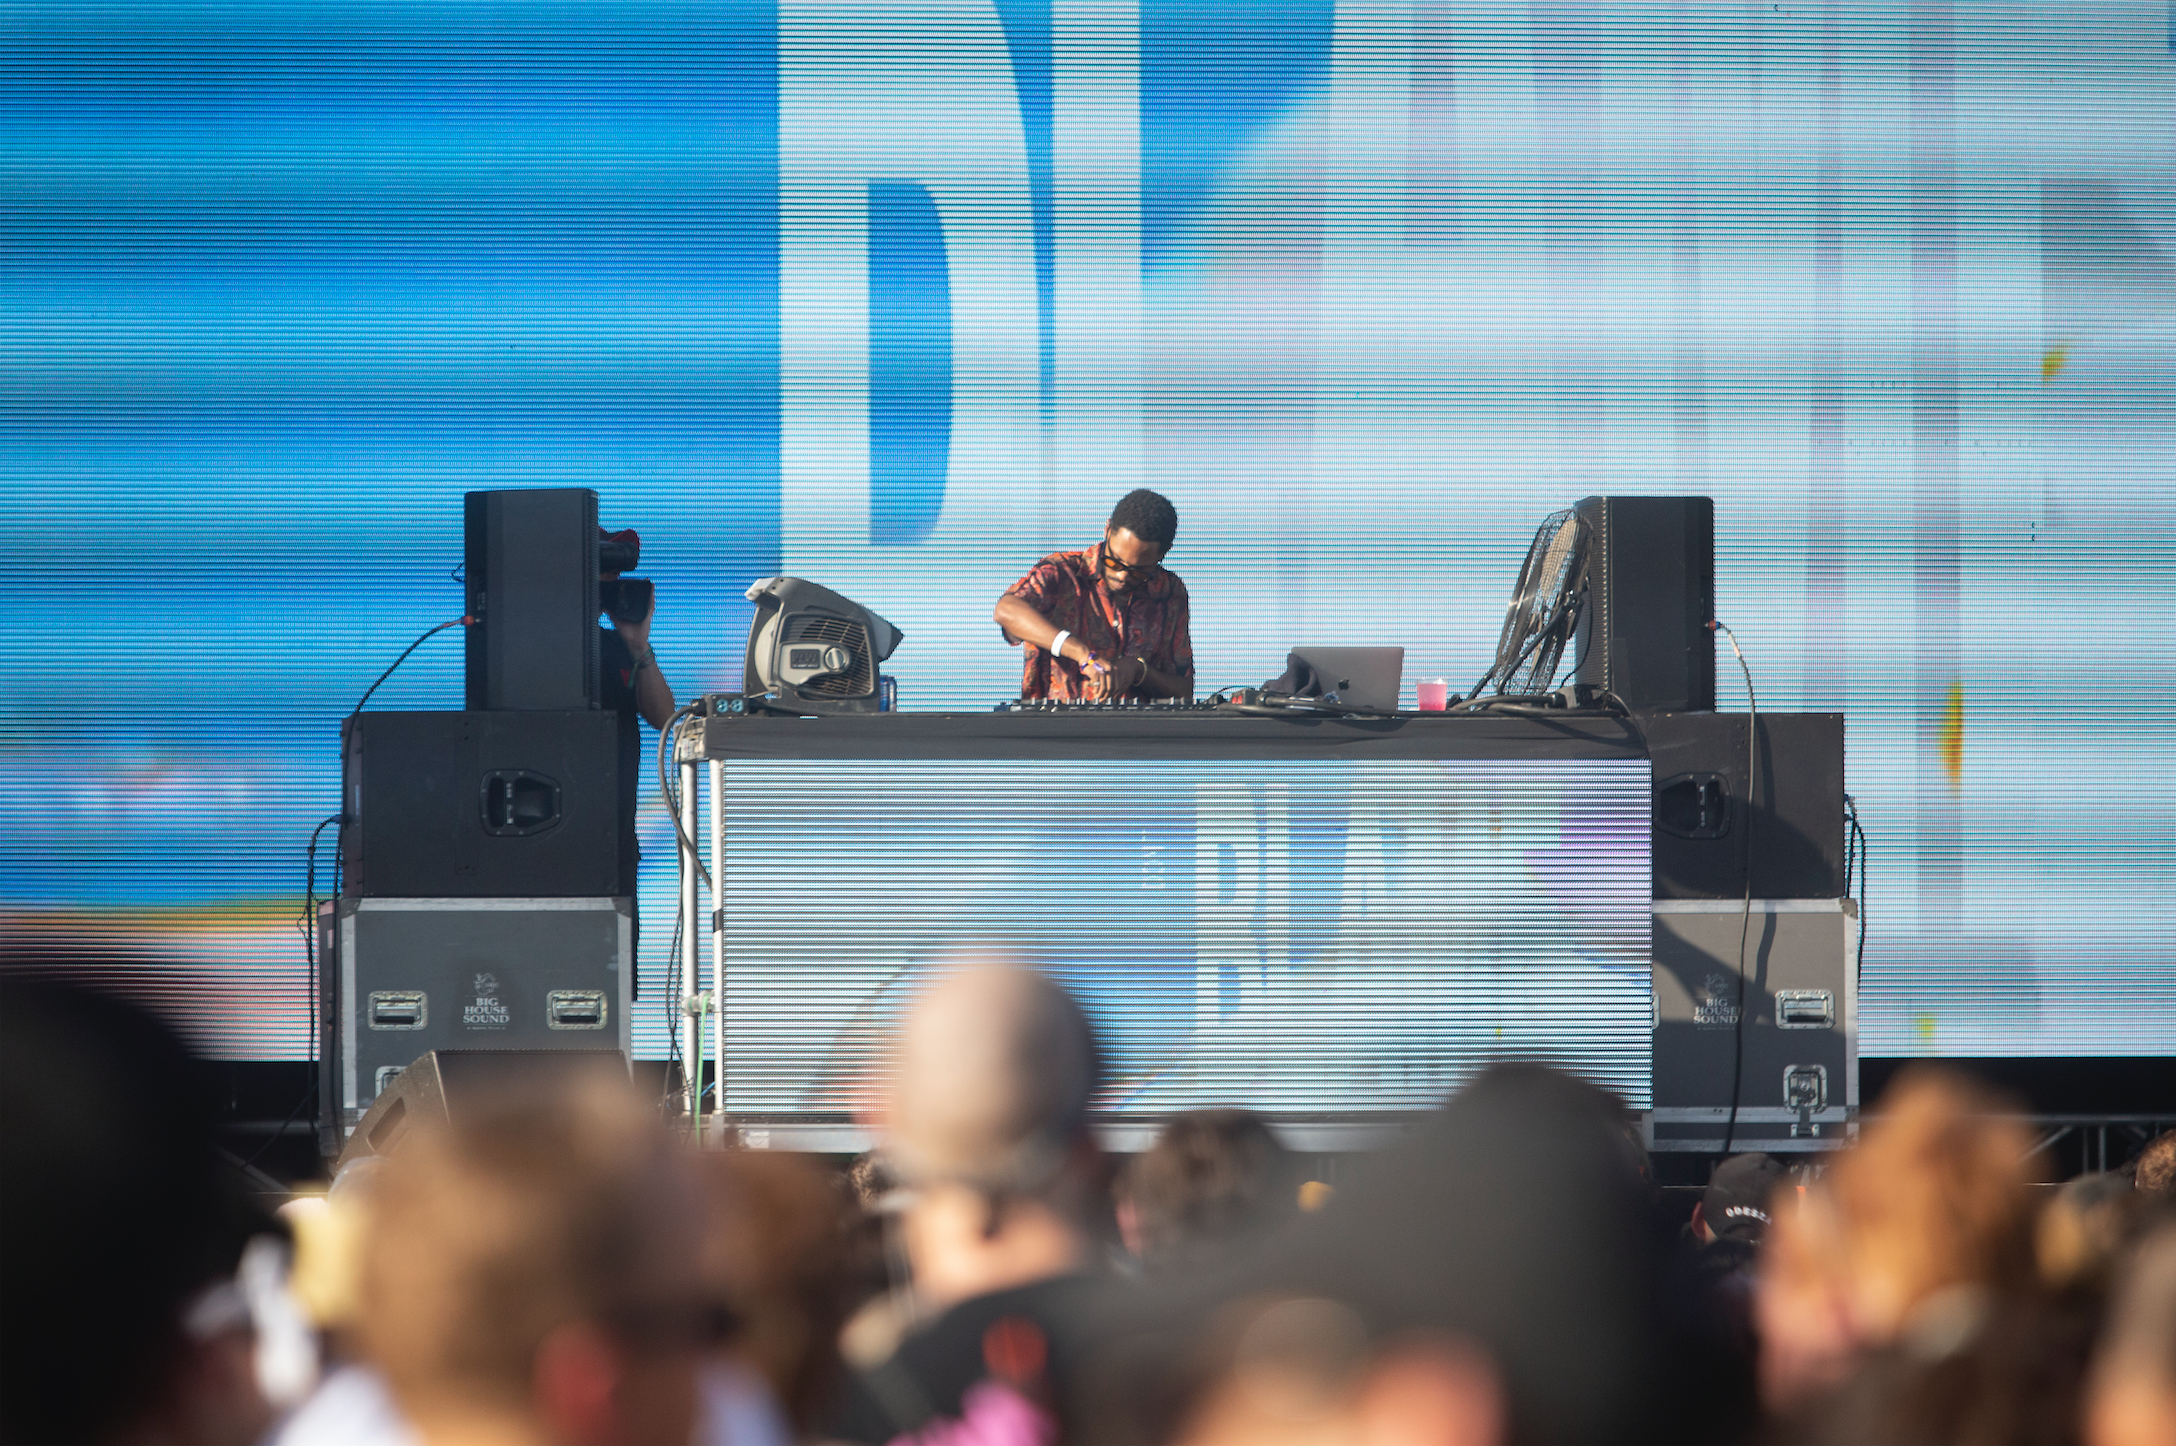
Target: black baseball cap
(1738, 1196)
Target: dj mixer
(1106, 705)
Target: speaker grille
(856, 682)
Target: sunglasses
(1111, 563)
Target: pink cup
(1434, 694)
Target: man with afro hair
(1108, 621)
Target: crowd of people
(560, 1265)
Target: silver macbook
(1360, 677)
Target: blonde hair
(780, 1250)
(1937, 1194)
(487, 1235)
(2156, 1170)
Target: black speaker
(531, 574)
(484, 805)
(1650, 596)
(443, 1083)
(1704, 805)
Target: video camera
(623, 599)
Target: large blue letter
(910, 364)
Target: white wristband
(1057, 644)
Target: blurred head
(329, 1232)
(118, 1316)
(1937, 1194)
(1491, 1278)
(1298, 1371)
(2131, 1400)
(1511, 1232)
(2082, 1232)
(528, 1270)
(1801, 1304)
(1736, 1204)
(2155, 1172)
(870, 1179)
(1211, 1176)
(1933, 1203)
(992, 1075)
(986, 1124)
(778, 1252)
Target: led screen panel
(900, 297)
(1305, 936)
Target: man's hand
(1116, 675)
(1095, 673)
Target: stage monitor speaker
(441, 1085)
(1703, 805)
(1644, 634)
(531, 575)
(403, 977)
(1798, 1079)
(482, 805)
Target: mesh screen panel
(1307, 936)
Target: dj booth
(1331, 914)
(1332, 919)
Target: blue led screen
(901, 296)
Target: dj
(1108, 621)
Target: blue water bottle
(887, 693)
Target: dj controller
(1106, 705)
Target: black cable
(1854, 860)
(1553, 702)
(404, 652)
(1515, 703)
(309, 925)
(309, 901)
(309, 955)
(306, 925)
(1745, 920)
(676, 986)
(1516, 706)
(1295, 708)
(673, 996)
(1855, 848)
(665, 740)
(1565, 606)
(669, 993)
(1565, 609)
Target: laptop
(1358, 677)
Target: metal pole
(691, 956)
(717, 945)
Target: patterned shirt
(1147, 621)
